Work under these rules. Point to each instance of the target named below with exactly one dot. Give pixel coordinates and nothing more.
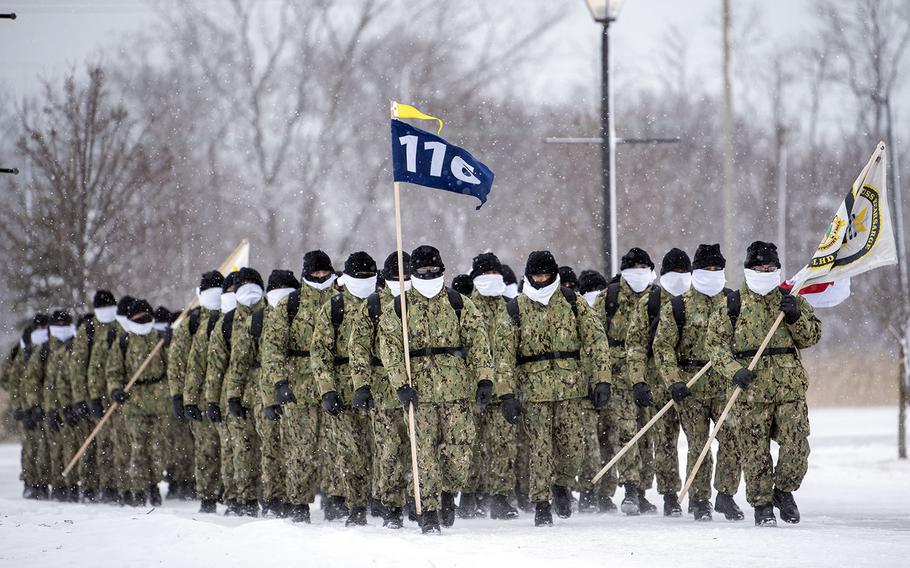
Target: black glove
(37, 414)
(273, 412)
(213, 411)
(120, 396)
(642, 394)
(236, 409)
(54, 421)
(192, 412)
(70, 416)
(600, 396)
(96, 408)
(790, 306)
(82, 409)
(406, 396)
(331, 403)
(679, 390)
(178, 409)
(510, 408)
(283, 393)
(363, 398)
(743, 378)
(18, 414)
(484, 395)
(28, 422)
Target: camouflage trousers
(499, 452)
(120, 450)
(330, 483)
(35, 461)
(271, 461)
(300, 429)
(60, 449)
(207, 454)
(621, 418)
(600, 452)
(108, 474)
(788, 424)
(88, 463)
(446, 436)
(349, 436)
(148, 443)
(244, 443)
(696, 416)
(475, 475)
(226, 458)
(557, 444)
(391, 459)
(179, 456)
(660, 453)
(522, 462)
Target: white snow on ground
(855, 505)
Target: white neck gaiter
(210, 298)
(428, 288)
(638, 278)
(709, 282)
(39, 336)
(591, 297)
(541, 296)
(676, 283)
(359, 287)
(276, 295)
(106, 314)
(228, 302)
(63, 332)
(762, 282)
(321, 285)
(395, 287)
(123, 321)
(142, 328)
(490, 285)
(160, 326)
(511, 291)
(249, 294)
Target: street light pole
(607, 181)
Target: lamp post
(604, 13)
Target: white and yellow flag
(860, 237)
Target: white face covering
(591, 297)
(63, 332)
(123, 321)
(511, 291)
(321, 285)
(276, 295)
(106, 314)
(542, 295)
(762, 282)
(39, 336)
(142, 328)
(249, 294)
(490, 285)
(359, 287)
(428, 288)
(228, 302)
(676, 282)
(210, 298)
(638, 278)
(709, 282)
(395, 288)
(160, 326)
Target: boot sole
(766, 523)
(630, 510)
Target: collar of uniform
(773, 295)
(348, 297)
(624, 287)
(210, 313)
(247, 310)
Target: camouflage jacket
(285, 348)
(781, 378)
(197, 358)
(639, 366)
(218, 355)
(242, 376)
(35, 380)
(363, 349)
(433, 323)
(618, 327)
(329, 356)
(106, 337)
(79, 360)
(265, 386)
(177, 357)
(679, 358)
(546, 329)
(58, 389)
(148, 395)
(12, 377)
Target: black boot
(376, 508)
(357, 517)
(646, 507)
(542, 515)
(233, 508)
(764, 516)
(500, 509)
(28, 492)
(59, 493)
(300, 514)
(671, 506)
(412, 510)
(250, 509)
(392, 518)
(789, 512)
(334, 508)
(284, 510)
(137, 499)
(467, 506)
(90, 496)
(208, 506)
(273, 506)
(521, 499)
(701, 510)
(605, 504)
(72, 494)
(587, 501)
(483, 504)
(109, 495)
(561, 502)
(630, 505)
(429, 523)
(726, 505)
(154, 496)
(447, 509)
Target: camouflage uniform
(146, 409)
(79, 361)
(285, 356)
(13, 374)
(111, 465)
(774, 405)
(349, 431)
(217, 357)
(180, 466)
(678, 358)
(553, 392)
(31, 393)
(659, 453)
(206, 444)
(445, 385)
(270, 450)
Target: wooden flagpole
(114, 406)
(412, 431)
(647, 426)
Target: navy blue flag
(422, 158)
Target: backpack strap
(195, 316)
(88, 320)
(45, 351)
(256, 324)
(337, 310)
(397, 304)
(293, 305)
(227, 327)
(653, 316)
(111, 335)
(167, 335)
(512, 308)
(679, 315)
(124, 342)
(456, 300)
(213, 321)
(374, 309)
(734, 304)
(611, 304)
(572, 298)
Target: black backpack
(194, 317)
(568, 294)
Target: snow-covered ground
(855, 505)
